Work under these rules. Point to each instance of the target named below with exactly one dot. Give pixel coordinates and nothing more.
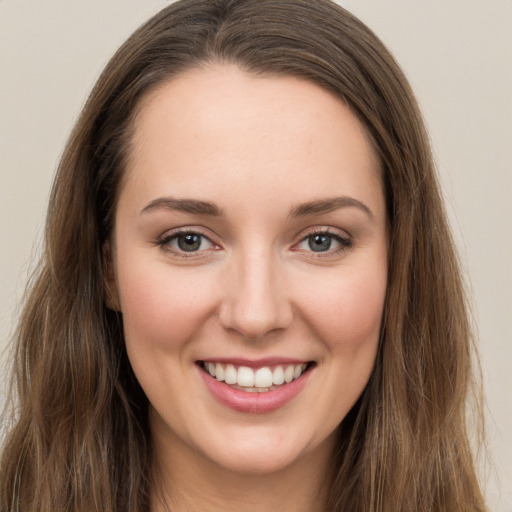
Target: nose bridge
(255, 302)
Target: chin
(257, 462)
(266, 451)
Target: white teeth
(288, 374)
(211, 369)
(245, 377)
(219, 372)
(230, 375)
(260, 380)
(278, 376)
(263, 378)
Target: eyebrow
(198, 207)
(328, 205)
(193, 206)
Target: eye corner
(186, 243)
(329, 243)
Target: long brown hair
(80, 438)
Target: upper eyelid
(301, 236)
(168, 236)
(345, 242)
(167, 241)
(172, 233)
(336, 236)
(342, 233)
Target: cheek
(163, 308)
(346, 310)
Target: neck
(187, 482)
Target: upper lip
(256, 363)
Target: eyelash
(165, 242)
(345, 243)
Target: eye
(319, 242)
(324, 242)
(186, 242)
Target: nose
(255, 302)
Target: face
(250, 260)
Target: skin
(256, 147)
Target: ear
(111, 294)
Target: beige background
(458, 56)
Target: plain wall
(458, 57)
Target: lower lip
(257, 402)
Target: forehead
(216, 127)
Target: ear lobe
(111, 295)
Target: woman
(249, 297)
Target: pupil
(189, 242)
(319, 243)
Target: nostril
(255, 302)
(255, 323)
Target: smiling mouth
(255, 380)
